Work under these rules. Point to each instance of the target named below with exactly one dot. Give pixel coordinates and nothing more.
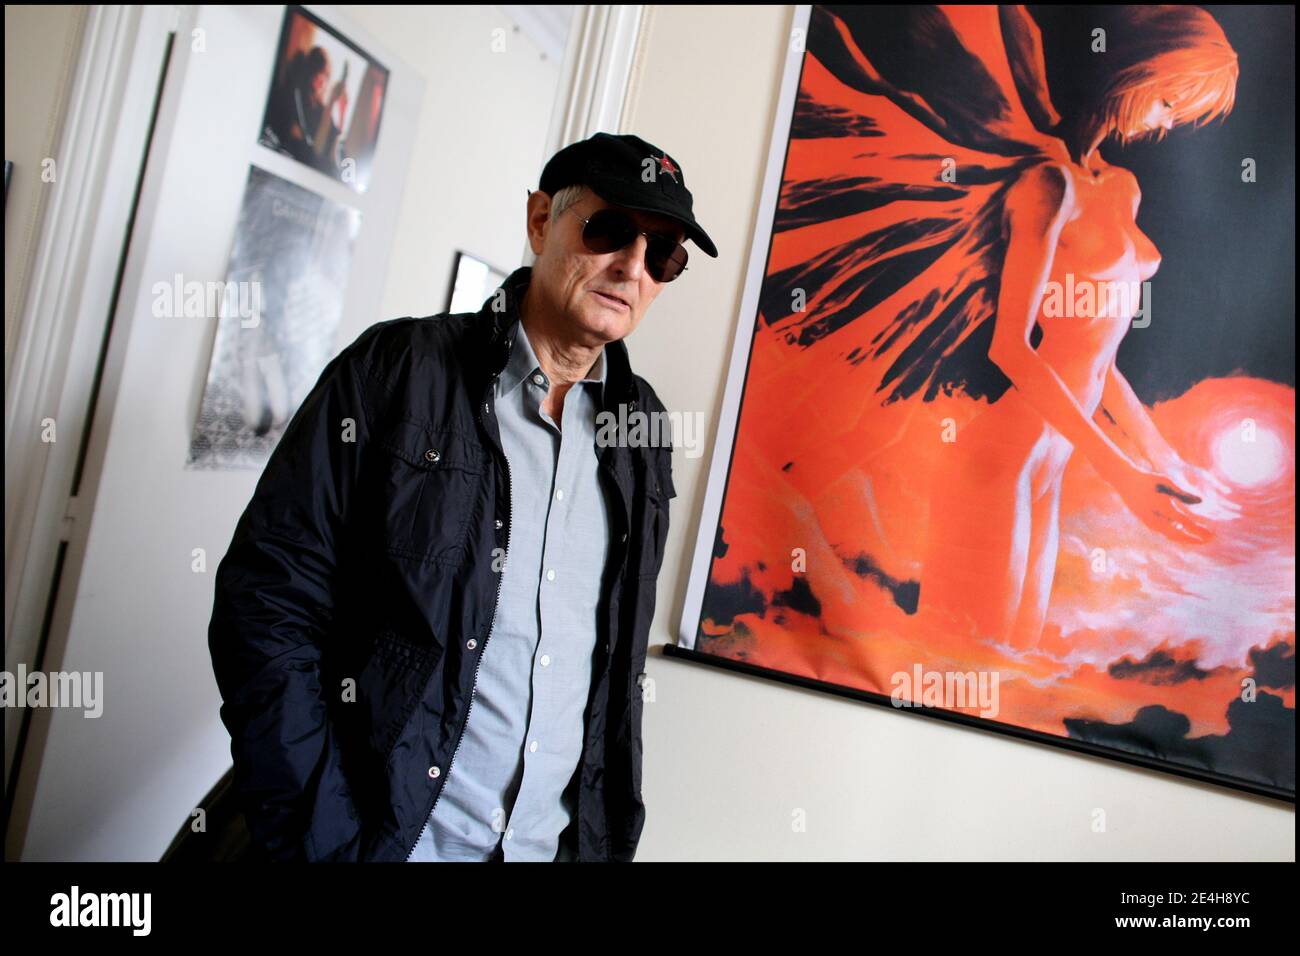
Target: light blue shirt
(505, 791)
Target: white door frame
(595, 78)
(65, 317)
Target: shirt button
(471, 643)
(550, 574)
(500, 523)
(559, 494)
(539, 379)
(434, 773)
(546, 660)
(532, 748)
(510, 833)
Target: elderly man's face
(573, 281)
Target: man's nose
(630, 260)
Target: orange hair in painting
(1172, 56)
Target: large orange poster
(1014, 425)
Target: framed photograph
(473, 280)
(326, 100)
(279, 314)
(1009, 433)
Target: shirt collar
(523, 363)
(500, 313)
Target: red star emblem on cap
(668, 167)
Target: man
(432, 620)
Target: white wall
(479, 146)
(119, 787)
(730, 759)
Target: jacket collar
(498, 327)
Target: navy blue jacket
(355, 600)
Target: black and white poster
(280, 309)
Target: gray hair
(566, 197)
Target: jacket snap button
(471, 643)
(434, 773)
(432, 455)
(500, 523)
(624, 535)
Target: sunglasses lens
(665, 260)
(608, 231)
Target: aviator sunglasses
(608, 230)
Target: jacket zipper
(510, 527)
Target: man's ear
(538, 216)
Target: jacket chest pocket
(432, 484)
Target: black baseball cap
(627, 171)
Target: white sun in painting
(1250, 456)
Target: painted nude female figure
(1033, 206)
(1071, 222)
